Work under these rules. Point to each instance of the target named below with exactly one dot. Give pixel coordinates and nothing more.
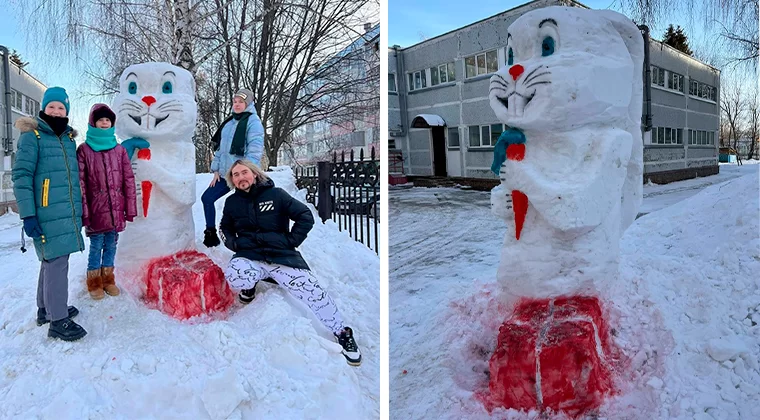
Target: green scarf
(238, 140)
(100, 139)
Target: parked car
(357, 200)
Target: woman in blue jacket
(240, 136)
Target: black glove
(32, 227)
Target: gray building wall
(680, 109)
(464, 102)
(29, 87)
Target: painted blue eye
(132, 88)
(547, 47)
(167, 87)
(510, 57)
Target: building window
(701, 138)
(702, 90)
(658, 76)
(392, 82)
(442, 74)
(32, 106)
(667, 79)
(17, 100)
(675, 81)
(667, 135)
(483, 63)
(496, 130)
(417, 80)
(453, 136)
(485, 135)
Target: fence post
(324, 204)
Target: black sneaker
(66, 330)
(42, 316)
(210, 239)
(350, 349)
(246, 296)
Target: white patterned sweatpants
(242, 273)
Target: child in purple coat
(108, 198)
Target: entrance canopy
(428, 121)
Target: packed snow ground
(686, 309)
(270, 359)
(657, 197)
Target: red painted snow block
(552, 354)
(187, 284)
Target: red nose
(149, 100)
(515, 71)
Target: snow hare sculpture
(570, 164)
(156, 102)
(570, 167)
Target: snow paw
(501, 203)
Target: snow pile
(700, 260)
(685, 311)
(269, 359)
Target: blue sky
(411, 21)
(49, 71)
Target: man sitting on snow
(256, 226)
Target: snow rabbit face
(156, 101)
(568, 67)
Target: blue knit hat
(56, 94)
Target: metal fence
(346, 191)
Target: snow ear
(634, 42)
(633, 188)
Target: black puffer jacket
(256, 225)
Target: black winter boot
(210, 239)
(350, 349)
(66, 330)
(42, 315)
(246, 296)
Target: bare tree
(275, 47)
(737, 21)
(753, 124)
(733, 108)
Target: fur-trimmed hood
(27, 124)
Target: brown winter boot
(109, 283)
(95, 284)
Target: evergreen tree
(676, 38)
(15, 58)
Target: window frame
(412, 78)
(485, 69)
(667, 136)
(18, 101)
(395, 83)
(448, 138)
(667, 79)
(703, 91)
(442, 73)
(701, 138)
(481, 129)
